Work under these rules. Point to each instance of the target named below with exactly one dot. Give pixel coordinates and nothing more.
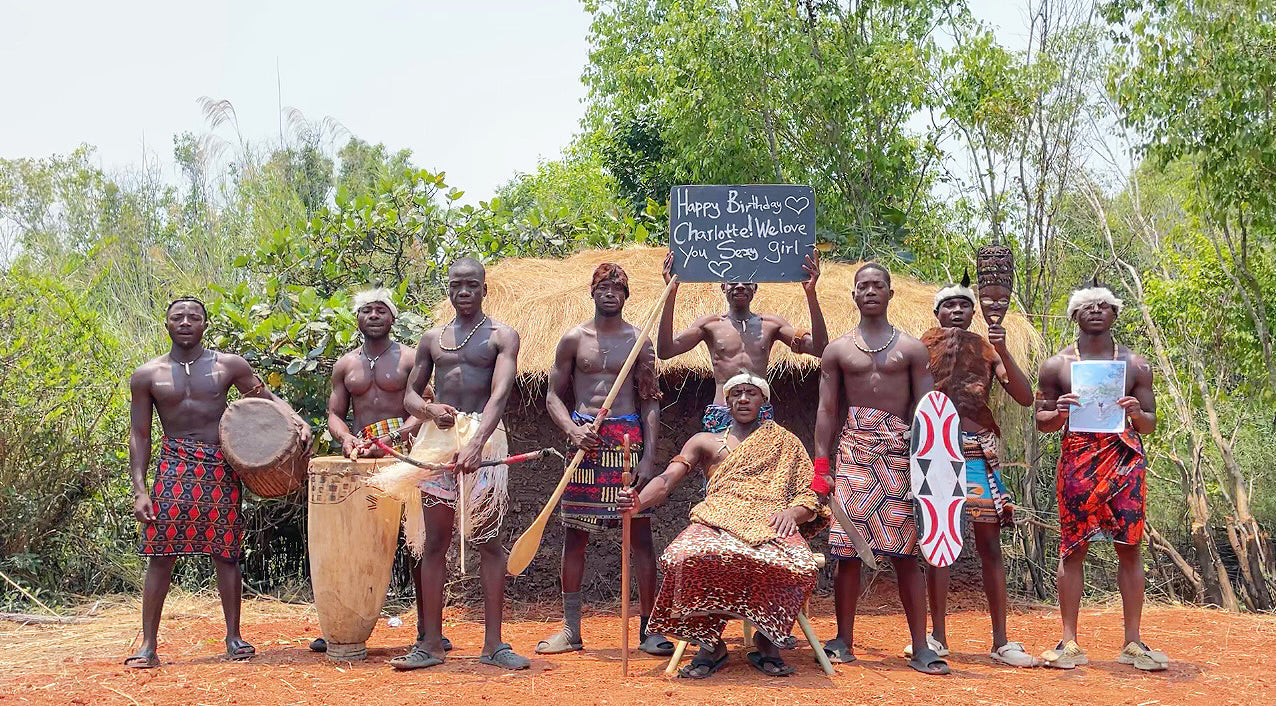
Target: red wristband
(822, 467)
(822, 483)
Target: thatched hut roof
(542, 299)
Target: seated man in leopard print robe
(744, 555)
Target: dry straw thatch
(542, 299)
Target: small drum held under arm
(262, 441)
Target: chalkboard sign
(753, 233)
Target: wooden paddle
(625, 478)
(524, 550)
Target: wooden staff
(626, 520)
(460, 503)
(507, 461)
(524, 550)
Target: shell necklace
(467, 338)
(884, 346)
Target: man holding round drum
(740, 340)
(194, 505)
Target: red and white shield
(938, 470)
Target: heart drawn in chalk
(720, 267)
(797, 204)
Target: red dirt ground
(1218, 658)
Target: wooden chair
(802, 621)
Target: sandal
(838, 651)
(318, 645)
(707, 662)
(1067, 655)
(239, 649)
(1138, 655)
(777, 666)
(504, 656)
(928, 662)
(418, 658)
(1013, 654)
(559, 643)
(932, 643)
(144, 659)
(656, 644)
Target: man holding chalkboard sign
(740, 340)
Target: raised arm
(1008, 373)
(503, 373)
(141, 405)
(827, 413)
(817, 340)
(668, 345)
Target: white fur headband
(381, 295)
(953, 291)
(746, 378)
(1092, 295)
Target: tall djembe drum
(353, 533)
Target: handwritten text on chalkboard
(758, 233)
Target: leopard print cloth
(711, 576)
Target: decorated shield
(938, 475)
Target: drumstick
(524, 550)
(508, 460)
(625, 478)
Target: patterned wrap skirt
(196, 498)
(589, 501)
(872, 483)
(386, 426)
(1102, 489)
(987, 500)
(711, 576)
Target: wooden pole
(524, 550)
(626, 521)
(460, 502)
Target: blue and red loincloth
(196, 500)
(589, 502)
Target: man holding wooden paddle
(589, 360)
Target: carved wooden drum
(262, 441)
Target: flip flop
(702, 661)
(143, 660)
(559, 643)
(838, 651)
(1014, 655)
(239, 650)
(929, 663)
(760, 662)
(504, 656)
(657, 645)
(932, 643)
(416, 659)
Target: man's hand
(812, 269)
(584, 437)
(784, 522)
(997, 337)
(469, 457)
(667, 270)
(1063, 405)
(444, 415)
(627, 500)
(306, 432)
(143, 508)
(1133, 408)
(351, 447)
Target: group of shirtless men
(870, 382)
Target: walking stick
(460, 504)
(524, 550)
(625, 478)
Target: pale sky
(479, 88)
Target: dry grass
(541, 299)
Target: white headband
(1092, 295)
(746, 378)
(381, 295)
(953, 291)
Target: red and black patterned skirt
(196, 498)
(1102, 489)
